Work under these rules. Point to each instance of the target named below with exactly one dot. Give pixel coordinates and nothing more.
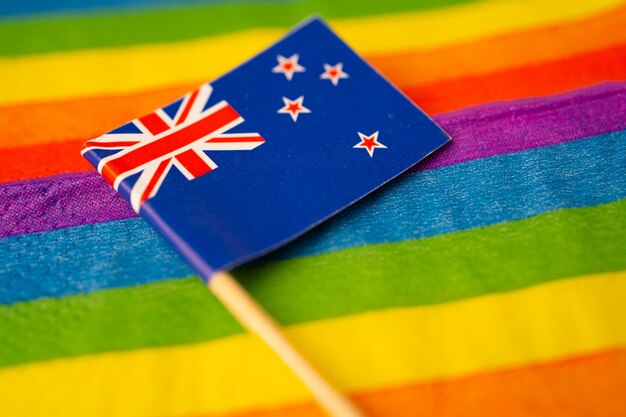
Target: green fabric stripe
(503, 257)
(40, 35)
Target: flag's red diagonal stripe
(193, 163)
(119, 144)
(154, 180)
(154, 123)
(185, 112)
(157, 149)
(236, 139)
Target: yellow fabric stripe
(373, 350)
(116, 70)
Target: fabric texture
(488, 280)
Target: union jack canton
(176, 135)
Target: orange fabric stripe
(583, 386)
(21, 125)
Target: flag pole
(258, 321)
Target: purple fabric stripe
(479, 132)
(514, 126)
(59, 201)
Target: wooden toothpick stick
(258, 321)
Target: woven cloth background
(487, 281)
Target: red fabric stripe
(42, 160)
(167, 144)
(185, 112)
(193, 163)
(154, 180)
(154, 123)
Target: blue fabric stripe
(479, 193)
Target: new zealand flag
(267, 151)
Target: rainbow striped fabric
(490, 281)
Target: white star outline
(290, 110)
(288, 66)
(375, 144)
(334, 73)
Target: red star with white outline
(334, 73)
(294, 107)
(369, 143)
(288, 66)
